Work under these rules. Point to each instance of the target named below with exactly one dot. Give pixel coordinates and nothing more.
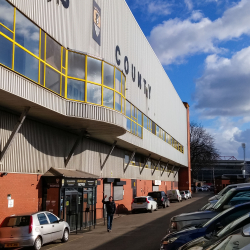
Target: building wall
(25, 189)
(119, 27)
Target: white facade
(72, 28)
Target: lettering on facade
(96, 23)
(141, 81)
(65, 3)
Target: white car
(188, 193)
(184, 196)
(144, 203)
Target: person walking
(110, 208)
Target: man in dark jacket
(110, 208)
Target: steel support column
(171, 171)
(145, 164)
(66, 160)
(164, 169)
(14, 132)
(176, 172)
(130, 159)
(156, 166)
(110, 152)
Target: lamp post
(244, 150)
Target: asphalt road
(133, 231)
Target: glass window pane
(140, 131)
(118, 102)
(118, 80)
(6, 48)
(42, 73)
(27, 33)
(153, 128)
(76, 65)
(6, 14)
(76, 90)
(94, 93)
(157, 131)
(108, 98)
(52, 80)
(53, 53)
(26, 64)
(42, 45)
(64, 58)
(139, 118)
(133, 127)
(63, 86)
(6, 32)
(136, 129)
(145, 122)
(94, 70)
(123, 85)
(108, 75)
(128, 109)
(123, 105)
(128, 125)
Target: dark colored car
(161, 198)
(233, 197)
(212, 238)
(175, 240)
(239, 239)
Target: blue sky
(204, 46)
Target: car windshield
(232, 225)
(225, 190)
(16, 221)
(186, 192)
(155, 194)
(222, 199)
(136, 200)
(216, 217)
(207, 206)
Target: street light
(244, 150)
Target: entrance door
(72, 199)
(89, 206)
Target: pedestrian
(110, 208)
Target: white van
(174, 195)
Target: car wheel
(65, 237)
(133, 211)
(37, 243)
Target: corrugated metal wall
(72, 27)
(38, 147)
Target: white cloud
(175, 39)
(196, 15)
(189, 4)
(153, 7)
(224, 88)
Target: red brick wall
(25, 189)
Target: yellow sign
(67, 203)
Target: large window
(29, 51)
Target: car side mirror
(226, 207)
(61, 220)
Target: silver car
(34, 229)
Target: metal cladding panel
(39, 147)
(72, 28)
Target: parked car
(239, 239)
(174, 195)
(226, 189)
(144, 203)
(210, 239)
(161, 198)
(188, 194)
(233, 197)
(175, 240)
(32, 230)
(184, 196)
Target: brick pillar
(185, 173)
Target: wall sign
(11, 203)
(65, 3)
(141, 81)
(96, 23)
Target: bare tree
(202, 148)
